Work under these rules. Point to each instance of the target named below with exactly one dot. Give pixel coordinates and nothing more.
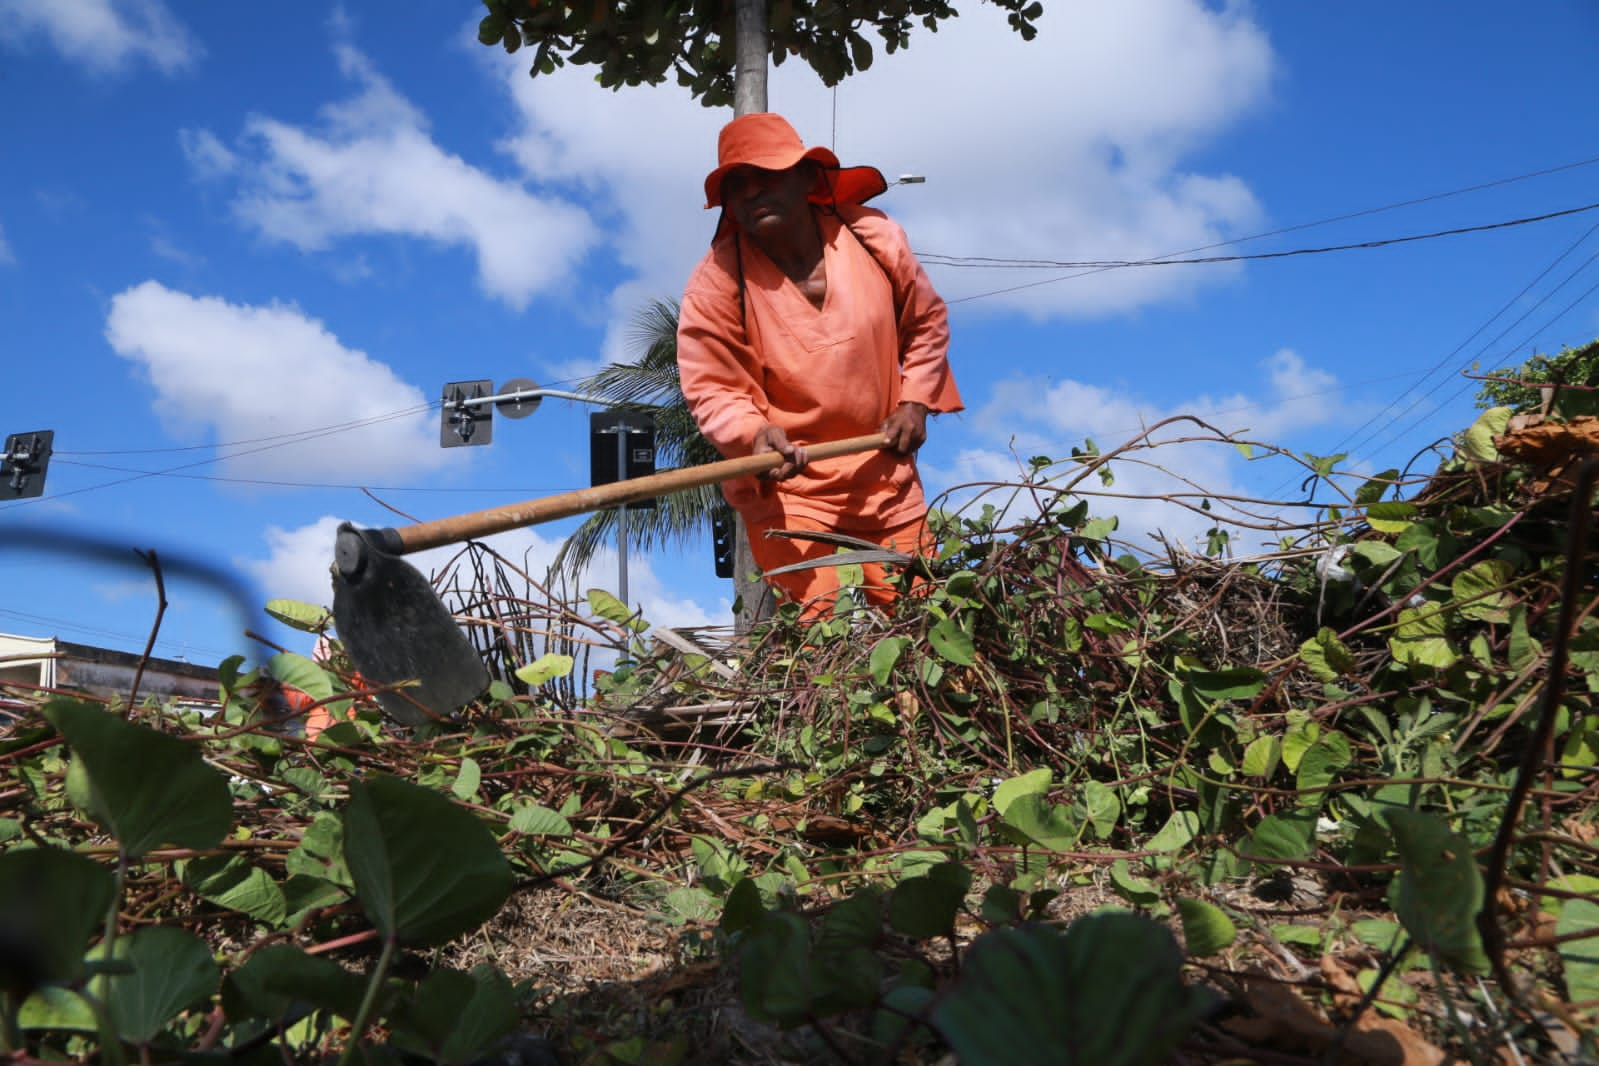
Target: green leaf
(854, 922)
(1394, 516)
(425, 870)
(1302, 733)
(1098, 529)
(1420, 638)
(1424, 542)
(1321, 762)
(145, 788)
(1107, 991)
(1477, 443)
(743, 909)
(612, 609)
(1032, 783)
(1178, 831)
(1327, 657)
(299, 672)
(924, 907)
(306, 617)
(51, 902)
(545, 668)
(232, 882)
(1579, 959)
(491, 28)
(1375, 487)
(846, 980)
(58, 1010)
(1101, 807)
(1283, 836)
(302, 894)
(1049, 825)
(885, 655)
(1134, 889)
(1206, 928)
(1262, 756)
(457, 1017)
(172, 971)
(531, 819)
(1309, 936)
(1522, 648)
(1438, 890)
(467, 779)
(952, 643)
(1235, 683)
(279, 980)
(774, 969)
(320, 853)
(1480, 591)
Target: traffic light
(724, 528)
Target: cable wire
(1098, 266)
(1379, 422)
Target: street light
(467, 419)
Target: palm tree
(650, 384)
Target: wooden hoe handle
(476, 524)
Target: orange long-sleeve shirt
(820, 373)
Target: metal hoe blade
(395, 628)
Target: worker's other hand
(770, 438)
(906, 429)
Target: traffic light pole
(467, 412)
(621, 429)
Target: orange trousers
(816, 589)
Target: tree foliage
(645, 42)
(1518, 387)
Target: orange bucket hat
(766, 140)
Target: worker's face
(768, 201)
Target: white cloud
(1028, 417)
(208, 157)
(6, 255)
(105, 36)
(250, 377)
(371, 168)
(1076, 152)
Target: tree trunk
(754, 598)
(752, 36)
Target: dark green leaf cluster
(645, 42)
(1523, 388)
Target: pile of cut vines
(1070, 803)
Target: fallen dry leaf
(1283, 1021)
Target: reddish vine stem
(1536, 750)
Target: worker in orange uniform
(810, 320)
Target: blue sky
(241, 255)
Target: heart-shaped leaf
(144, 787)
(425, 870)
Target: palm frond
(650, 383)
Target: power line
(1442, 363)
(1321, 222)
(273, 483)
(293, 437)
(276, 443)
(1096, 266)
(1468, 384)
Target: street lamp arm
(519, 395)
